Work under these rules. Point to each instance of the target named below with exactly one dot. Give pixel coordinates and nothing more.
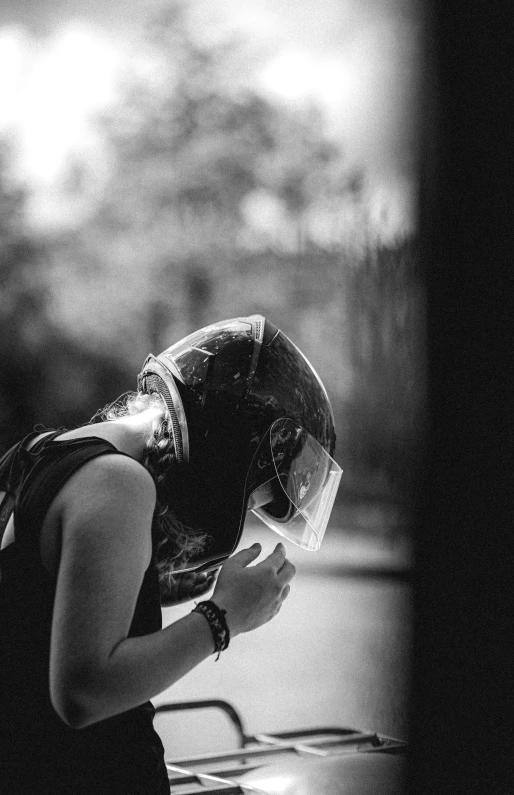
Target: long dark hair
(174, 543)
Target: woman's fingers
(283, 567)
(252, 595)
(244, 557)
(283, 596)
(276, 559)
(286, 572)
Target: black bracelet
(217, 622)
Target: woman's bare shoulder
(118, 471)
(108, 501)
(118, 465)
(106, 485)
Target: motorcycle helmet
(246, 409)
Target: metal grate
(219, 772)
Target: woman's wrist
(216, 619)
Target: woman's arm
(96, 670)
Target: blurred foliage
(191, 155)
(169, 236)
(46, 375)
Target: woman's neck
(128, 433)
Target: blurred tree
(46, 377)
(21, 310)
(191, 152)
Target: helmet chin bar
(154, 377)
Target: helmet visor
(306, 476)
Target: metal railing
(219, 772)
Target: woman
(112, 520)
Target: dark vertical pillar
(462, 695)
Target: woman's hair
(174, 542)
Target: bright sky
(47, 93)
(355, 63)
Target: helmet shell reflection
(228, 383)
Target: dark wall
(462, 680)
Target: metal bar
(201, 777)
(224, 706)
(243, 753)
(336, 731)
(275, 748)
(304, 748)
(225, 773)
(347, 739)
(200, 789)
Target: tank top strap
(50, 463)
(11, 471)
(14, 460)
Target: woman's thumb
(246, 556)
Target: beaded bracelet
(217, 623)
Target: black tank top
(122, 755)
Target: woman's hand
(179, 588)
(253, 595)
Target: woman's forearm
(137, 669)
